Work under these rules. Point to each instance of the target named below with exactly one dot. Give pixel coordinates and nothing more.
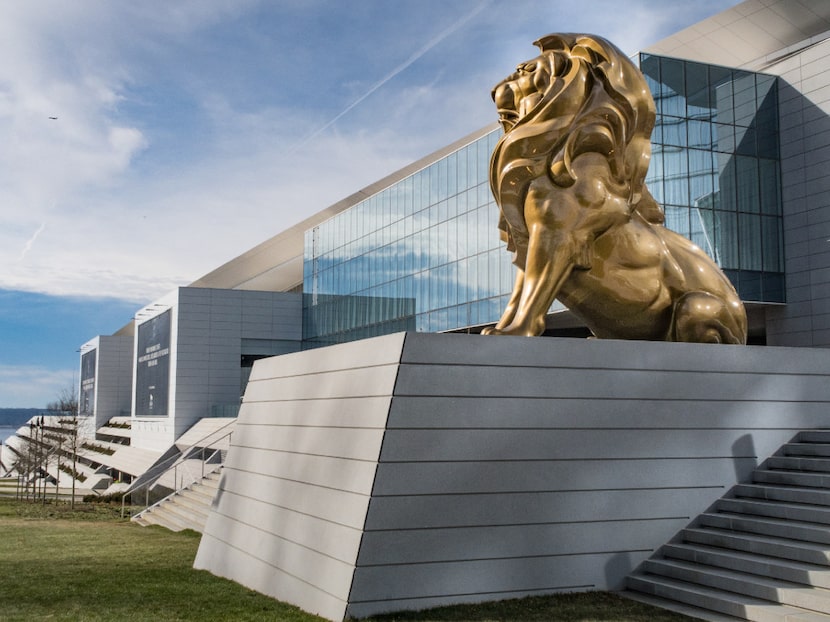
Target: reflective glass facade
(424, 253)
(715, 167)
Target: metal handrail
(180, 480)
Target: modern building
(740, 156)
(739, 159)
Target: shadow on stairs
(761, 553)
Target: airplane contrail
(31, 241)
(397, 70)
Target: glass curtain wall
(715, 167)
(424, 254)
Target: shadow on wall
(745, 457)
(804, 130)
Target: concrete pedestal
(417, 470)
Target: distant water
(7, 430)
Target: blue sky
(189, 131)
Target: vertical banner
(86, 404)
(152, 378)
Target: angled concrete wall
(403, 473)
(289, 516)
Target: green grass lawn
(90, 565)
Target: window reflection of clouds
(424, 254)
(420, 240)
(717, 128)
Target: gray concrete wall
(804, 120)
(211, 329)
(289, 516)
(114, 378)
(508, 466)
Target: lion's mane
(597, 101)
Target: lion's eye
(528, 67)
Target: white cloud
(158, 169)
(24, 386)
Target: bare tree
(66, 408)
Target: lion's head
(581, 94)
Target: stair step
(729, 603)
(792, 478)
(180, 509)
(774, 590)
(807, 449)
(750, 563)
(760, 545)
(158, 516)
(789, 529)
(798, 463)
(813, 436)
(813, 496)
(193, 503)
(773, 509)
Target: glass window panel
(463, 280)
(749, 284)
(443, 179)
(484, 194)
(700, 134)
(493, 139)
(677, 219)
(483, 284)
(726, 239)
(452, 174)
(697, 90)
(472, 165)
(494, 271)
(674, 131)
(771, 244)
(657, 132)
(433, 184)
(726, 197)
(676, 183)
(772, 287)
(461, 163)
(702, 190)
(434, 251)
(745, 141)
(452, 206)
(744, 93)
(767, 144)
(703, 230)
(749, 239)
(483, 165)
(770, 193)
(724, 137)
(721, 98)
(654, 178)
(672, 100)
(746, 170)
(650, 67)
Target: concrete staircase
(186, 509)
(760, 553)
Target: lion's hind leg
(701, 317)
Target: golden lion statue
(568, 176)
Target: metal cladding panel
(516, 466)
(289, 513)
(375, 352)
(263, 576)
(410, 471)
